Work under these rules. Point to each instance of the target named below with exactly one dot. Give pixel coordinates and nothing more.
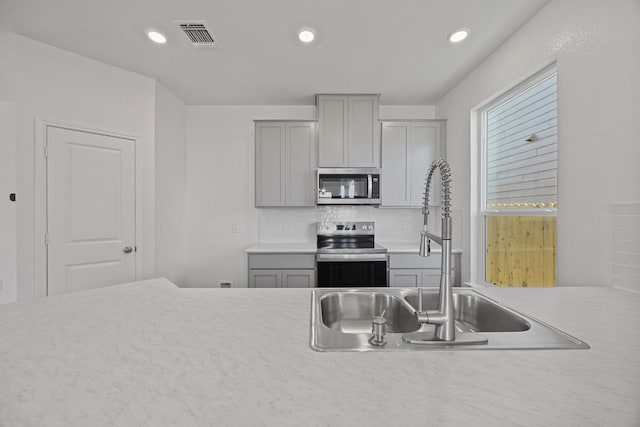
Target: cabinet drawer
(282, 261)
(414, 261)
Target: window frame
(482, 110)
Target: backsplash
(392, 225)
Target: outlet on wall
(234, 228)
(287, 229)
(225, 283)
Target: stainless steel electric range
(348, 257)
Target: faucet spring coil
(445, 178)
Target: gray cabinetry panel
(282, 261)
(285, 163)
(301, 147)
(281, 270)
(405, 278)
(431, 277)
(396, 142)
(414, 261)
(298, 278)
(364, 136)
(265, 278)
(408, 270)
(408, 148)
(349, 133)
(270, 164)
(333, 117)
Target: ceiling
(396, 48)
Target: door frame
(40, 197)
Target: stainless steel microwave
(348, 186)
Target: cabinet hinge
(46, 151)
(46, 238)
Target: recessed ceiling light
(157, 37)
(306, 35)
(458, 35)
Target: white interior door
(90, 210)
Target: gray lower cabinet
(412, 270)
(298, 278)
(285, 163)
(282, 271)
(265, 278)
(405, 278)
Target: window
(519, 193)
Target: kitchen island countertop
(149, 353)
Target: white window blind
(521, 139)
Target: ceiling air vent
(198, 33)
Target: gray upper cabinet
(333, 122)
(285, 163)
(396, 148)
(301, 164)
(408, 148)
(349, 131)
(270, 164)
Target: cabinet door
(301, 163)
(395, 167)
(270, 164)
(333, 121)
(298, 279)
(364, 131)
(265, 278)
(431, 277)
(426, 138)
(405, 278)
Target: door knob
(127, 249)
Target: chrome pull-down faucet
(444, 316)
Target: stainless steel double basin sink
(341, 320)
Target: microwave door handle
(369, 186)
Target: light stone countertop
(392, 247)
(149, 353)
(411, 247)
(277, 247)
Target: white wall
(8, 270)
(220, 192)
(170, 185)
(597, 48)
(60, 86)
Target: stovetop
(347, 237)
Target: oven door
(352, 270)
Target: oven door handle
(351, 257)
